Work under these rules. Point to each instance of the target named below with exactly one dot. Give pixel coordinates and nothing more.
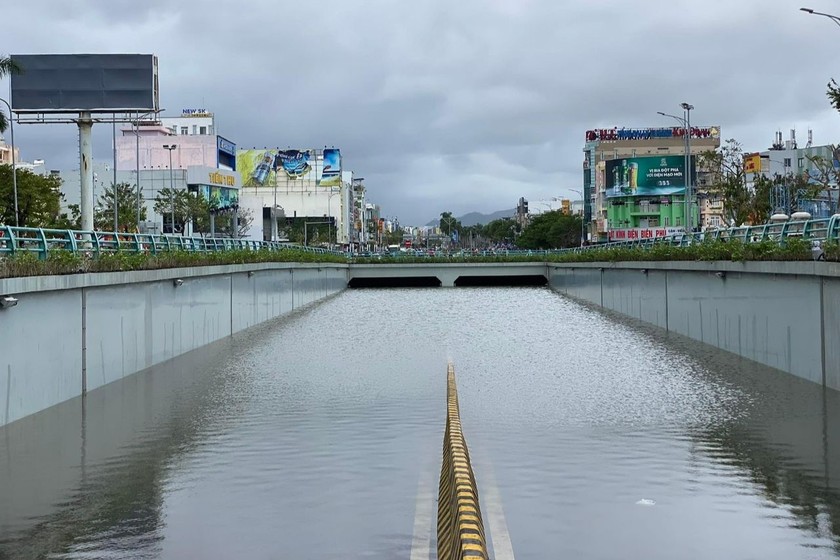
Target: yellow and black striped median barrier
(460, 531)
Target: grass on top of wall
(65, 262)
(733, 250)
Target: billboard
(646, 176)
(220, 198)
(752, 163)
(211, 176)
(71, 83)
(289, 169)
(620, 134)
(631, 234)
(331, 174)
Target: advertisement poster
(294, 163)
(289, 169)
(646, 176)
(220, 198)
(331, 174)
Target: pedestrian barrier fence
(460, 530)
(94, 243)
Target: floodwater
(319, 436)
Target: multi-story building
(309, 185)
(634, 181)
(192, 122)
(156, 155)
(6, 153)
(819, 164)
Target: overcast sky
(452, 104)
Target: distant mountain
(473, 218)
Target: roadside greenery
(733, 250)
(66, 262)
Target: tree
(39, 198)
(833, 94)
(824, 174)
(126, 208)
(7, 67)
(504, 229)
(198, 212)
(761, 207)
(728, 182)
(246, 218)
(449, 224)
(551, 230)
(167, 199)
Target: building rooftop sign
(210, 176)
(618, 134)
(196, 113)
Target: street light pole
(835, 19)
(687, 161)
(14, 165)
(329, 213)
(114, 187)
(582, 224)
(689, 217)
(169, 148)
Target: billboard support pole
(14, 164)
(114, 186)
(137, 165)
(85, 124)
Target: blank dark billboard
(69, 83)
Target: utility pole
(169, 148)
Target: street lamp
(686, 124)
(14, 167)
(329, 213)
(835, 19)
(137, 160)
(582, 224)
(169, 148)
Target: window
(677, 221)
(185, 130)
(195, 129)
(653, 222)
(202, 130)
(666, 221)
(787, 162)
(801, 163)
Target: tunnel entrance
(396, 282)
(522, 280)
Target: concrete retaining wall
(782, 314)
(71, 334)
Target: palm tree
(7, 66)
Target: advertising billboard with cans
(647, 176)
(290, 169)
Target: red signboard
(633, 234)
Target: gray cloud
(454, 105)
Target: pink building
(190, 151)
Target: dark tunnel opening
(398, 282)
(523, 280)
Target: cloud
(454, 105)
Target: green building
(645, 196)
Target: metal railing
(822, 229)
(460, 529)
(42, 241)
